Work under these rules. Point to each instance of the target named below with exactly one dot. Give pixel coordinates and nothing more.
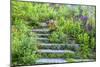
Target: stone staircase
(46, 47)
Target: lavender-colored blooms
(84, 18)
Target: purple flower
(84, 18)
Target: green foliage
(23, 44)
(57, 37)
(83, 38)
(84, 44)
(93, 43)
(66, 29)
(70, 60)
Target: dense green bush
(87, 45)
(23, 44)
(66, 29)
(23, 41)
(57, 37)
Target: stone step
(44, 30)
(43, 35)
(45, 40)
(50, 60)
(43, 24)
(58, 46)
(61, 60)
(50, 44)
(55, 51)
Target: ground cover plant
(68, 25)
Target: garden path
(53, 48)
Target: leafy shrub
(57, 37)
(93, 43)
(23, 45)
(84, 45)
(70, 60)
